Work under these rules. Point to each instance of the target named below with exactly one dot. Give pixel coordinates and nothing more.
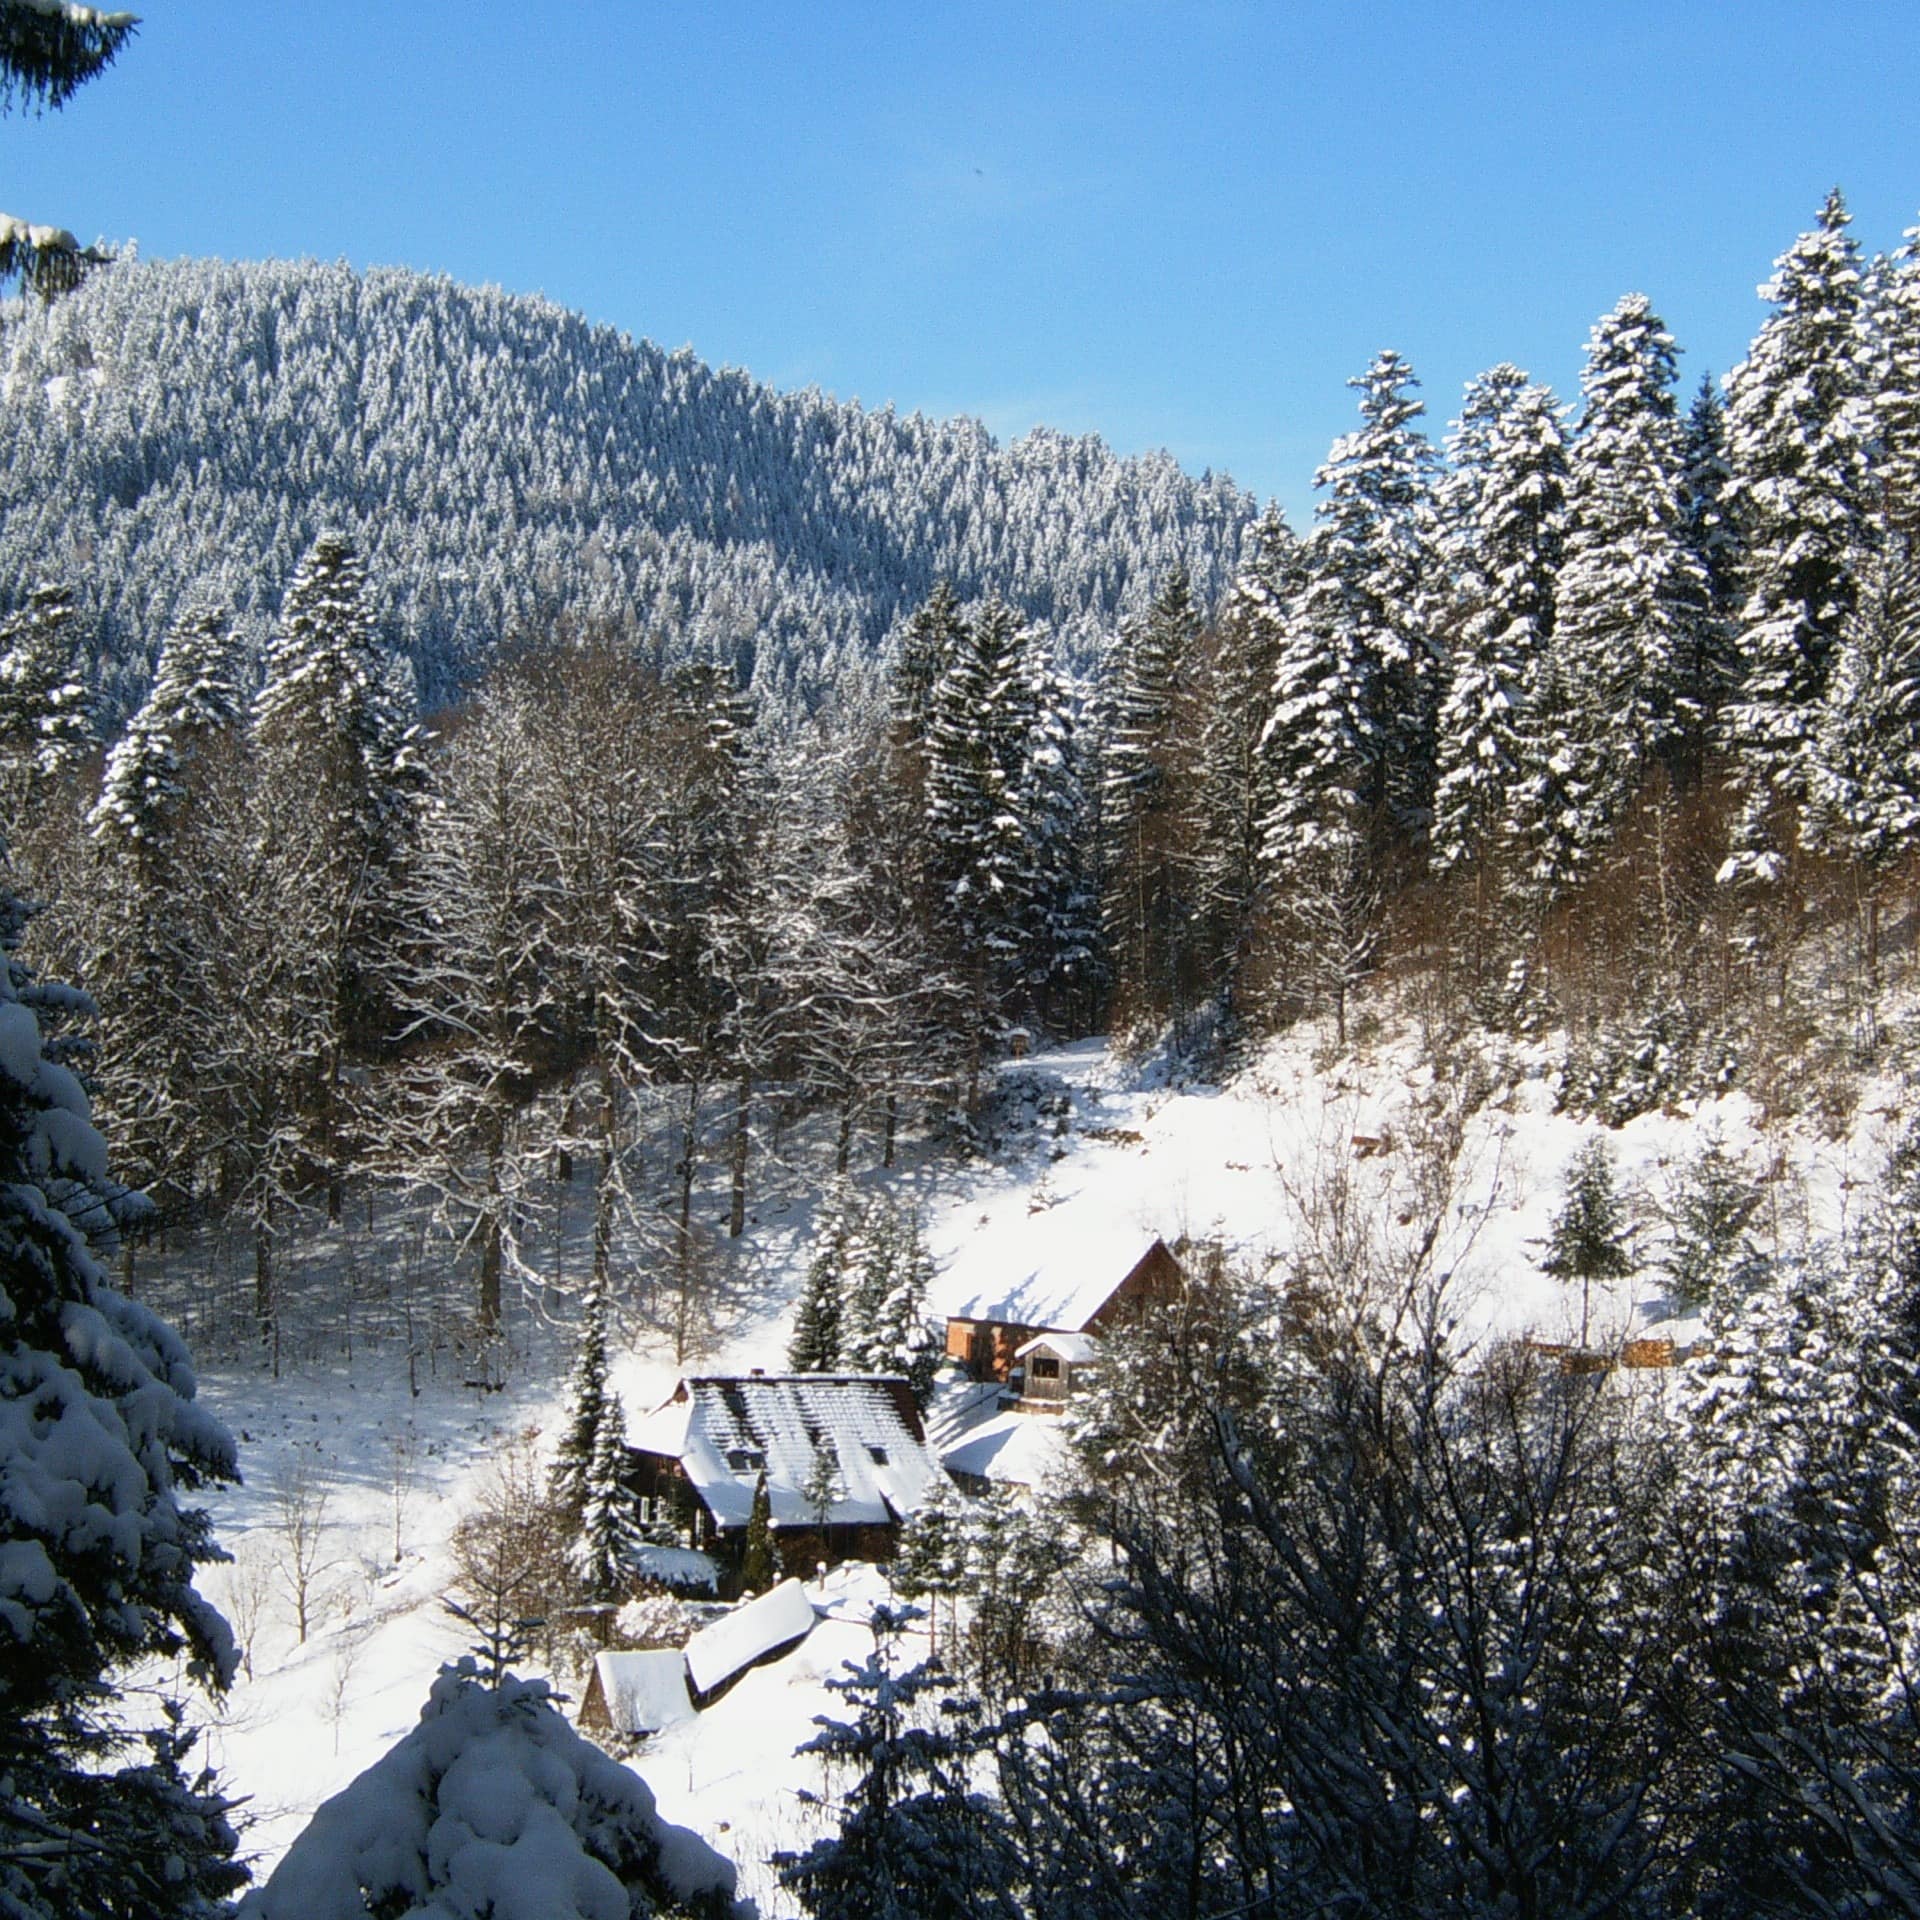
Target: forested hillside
(185, 431)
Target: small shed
(1048, 1364)
(636, 1693)
(763, 1629)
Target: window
(1043, 1367)
(746, 1459)
(646, 1510)
(878, 1455)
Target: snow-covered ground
(1089, 1152)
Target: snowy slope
(1141, 1156)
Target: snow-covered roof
(781, 1615)
(727, 1431)
(676, 1567)
(1075, 1348)
(1056, 1268)
(644, 1691)
(1015, 1449)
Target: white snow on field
(1250, 1162)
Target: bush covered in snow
(494, 1807)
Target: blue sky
(1176, 225)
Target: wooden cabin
(1081, 1286)
(844, 1458)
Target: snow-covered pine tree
(916, 1838)
(1863, 754)
(49, 49)
(1632, 594)
(1796, 442)
(1502, 512)
(601, 1552)
(820, 1328)
(885, 1328)
(1235, 787)
(1709, 1257)
(591, 1408)
(1705, 476)
(45, 728)
(931, 1563)
(155, 925)
(927, 644)
(1060, 931)
(337, 771)
(1350, 740)
(103, 1439)
(1591, 1237)
(1146, 871)
(494, 1808)
(1894, 331)
(1802, 1503)
(975, 749)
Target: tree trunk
(263, 1277)
(893, 1128)
(490, 1273)
(742, 1115)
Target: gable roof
(780, 1616)
(726, 1430)
(1055, 1269)
(644, 1691)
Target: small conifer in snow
(1591, 1236)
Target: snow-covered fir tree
(592, 1408)
(104, 1443)
(1146, 872)
(1503, 522)
(1797, 431)
(46, 728)
(1591, 1237)
(155, 924)
(494, 1808)
(1632, 594)
(1350, 740)
(600, 1554)
(1863, 755)
(1235, 787)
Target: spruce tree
(45, 729)
(47, 53)
(105, 1443)
(1863, 757)
(1236, 777)
(1147, 870)
(602, 1550)
(756, 1565)
(591, 1409)
(1632, 595)
(157, 926)
(1796, 431)
(1503, 522)
(337, 771)
(1351, 737)
(1591, 1237)
(820, 1328)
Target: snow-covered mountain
(185, 429)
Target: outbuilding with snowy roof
(844, 1459)
(1058, 1274)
